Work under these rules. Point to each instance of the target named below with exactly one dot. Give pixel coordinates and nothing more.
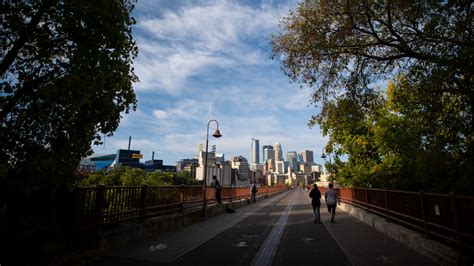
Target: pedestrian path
(169, 246)
(275, 231)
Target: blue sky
(202, 60)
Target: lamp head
(323, 156)
(217, 134)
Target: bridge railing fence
(446, 217)
(104, 207)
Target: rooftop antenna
(129, 141)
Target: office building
(280, 167)
(270, 159)
(97, 162)
(264, 154)
(184, 163)
(240, 163)
(307, 156)
(291, 158)
(278, 152)
(153, 165)
(129, 158)
(305, 168)
(254, 152)
(299, 159)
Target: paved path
(274, 231)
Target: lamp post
(330, 164)
(217, 134)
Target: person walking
(315, 196)
(254, 192)
(218, 188)
(331, 199)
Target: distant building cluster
(130, 158)
(297, 169)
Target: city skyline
(221, 70)
(316, 159)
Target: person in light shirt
(331, 199)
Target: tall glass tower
(291, 158)
(254, 152)
(265, 153)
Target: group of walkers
(331, 199)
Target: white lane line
(266, 253)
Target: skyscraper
(278, 152)
(269, 154)
(254, 152)
(291, 157)
(299, 159)
(242, 166)
(265, 154)
(307, 156)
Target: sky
(203, 60)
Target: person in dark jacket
(315, 196)
(254, 192)
(218, 188)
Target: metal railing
(446, 217)
(103, 206)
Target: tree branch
(24, 37)
(20, 93)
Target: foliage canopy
(66, 76)
(127, 176)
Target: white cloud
(160, 114)
(199, 39)
(211, 61)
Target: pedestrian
(218, 188)
(254, 192)
(331, 199)
(315, 196)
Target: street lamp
(217, 134)
(330, 164)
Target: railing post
(423, 215)
(143, 200)
(352, 196)
(386, 204)
(456, 220)
(77, 210)
(204, 201)
(99, 204)
(366, 199)
(181, 198)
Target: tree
(66, 77)
(404, 141)
(341, 49)
(344, 46)
(185, 178)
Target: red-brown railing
(108, 206)
(446, 217)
